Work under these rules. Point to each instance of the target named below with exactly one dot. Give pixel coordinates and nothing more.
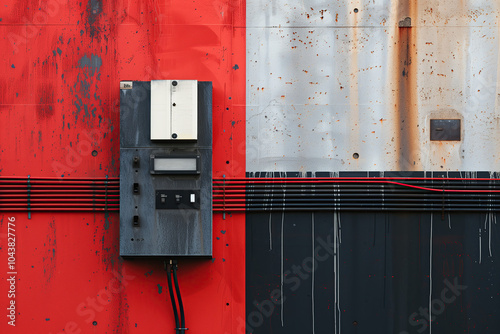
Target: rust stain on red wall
(61, 64)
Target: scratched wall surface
(61, 63)
(327, 79)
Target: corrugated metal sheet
(326, 80)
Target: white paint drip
(430, 277)
(489, 231)
(337, 241)
(488, 225)
(313, 269)
(491, 216)
(480, 247)
(282, 272)
(270, 233)
(340, 228)
(282, 257)
(270, 222)
(449, 221)
(335, 267)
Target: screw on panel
(355, 156)
(174, 83)
(174, 135)
(136, 162)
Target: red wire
(350, 178)
(367, 180)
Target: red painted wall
(61, 63)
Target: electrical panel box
(174, 110)
(166, 168)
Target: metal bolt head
(174, 83)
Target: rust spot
(322, 12)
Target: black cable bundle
(171, 268)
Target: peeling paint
(93, 63)
(94, 10)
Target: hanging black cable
(181, 307)
(168, 268)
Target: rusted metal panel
(353, 86)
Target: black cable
(168, 268)
(181, 307)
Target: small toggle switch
(136, 221)
(136, 188)
(136, 162)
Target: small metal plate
(126, 85)
(177, 199)
(445, 129)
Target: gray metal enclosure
(148, 227)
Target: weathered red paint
(61, 64)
